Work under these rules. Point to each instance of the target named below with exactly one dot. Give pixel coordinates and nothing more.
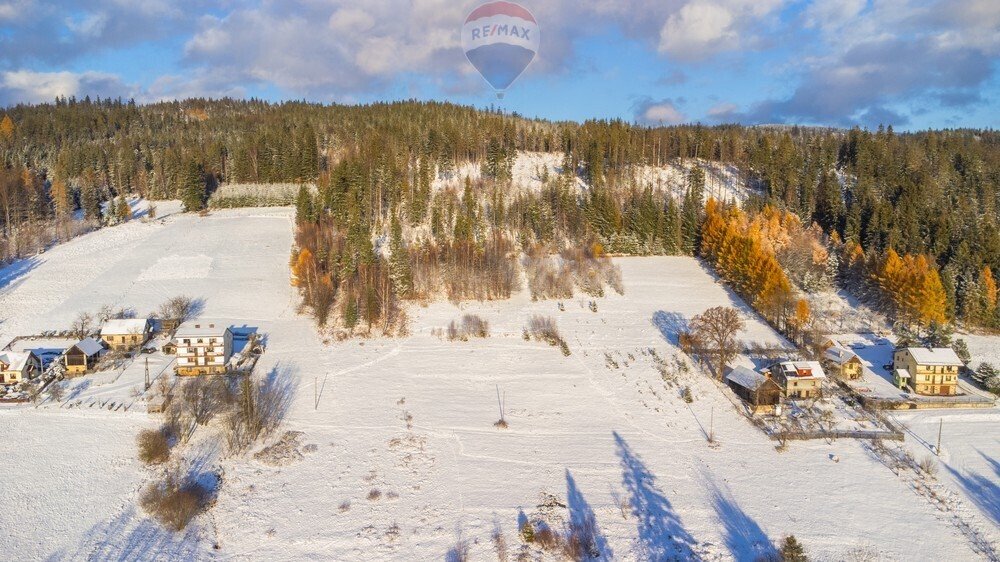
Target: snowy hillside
(398, 457)
(531, 169)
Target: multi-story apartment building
(203, 348)
(930, 371)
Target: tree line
(932, 193)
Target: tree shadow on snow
(661, 534)
(671, 325)
(744, 537)
(130, 536)
(13, 272)
(983, 490)
(583, 522)
(277, 389)
(78, 390)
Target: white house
(125, 333)
(799, 379)
(18, 366)
(203, 348)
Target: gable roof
(16, 361)
(747, 378)
(935, 356)
(124, 326)
(89, 346)
(839, 355)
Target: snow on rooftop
(747, 378)
(89, 346)
(839, 355)
(202, 328)
(15, 360)
(934, 355)
(793, 368)
(120, 326)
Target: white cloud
(36, 87)
(702, 28)
(663, 112)
(722, 111)
(89, 26)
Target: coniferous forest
(906, 221)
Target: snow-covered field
(530, 170)
(413, 420)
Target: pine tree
(304, 206)
(829, 203)
(89, 195)
(193, 187)
(792, 551)
(124, 210)
(399, 261)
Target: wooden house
(759, 391)
(928, 371)
(18, 366)
(82, 356)
(125, 333)
(843, 363)
(799, 379)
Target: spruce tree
(193, 187)
(399, 261)
(792, 551)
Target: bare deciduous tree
(716, 330)
(83, 325)
(178, 309)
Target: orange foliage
(741, 254)
(914, 287)
(6, 127)
(989, 286)
(802, 313)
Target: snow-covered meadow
(398, 457)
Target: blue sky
(914, 64)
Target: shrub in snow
(470, 326)
(154, 446)
(175, 500)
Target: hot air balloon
(500, 39)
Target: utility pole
(711, 426)
(937, 450)
(499, 402)
(147, 374)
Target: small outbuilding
(901, 378)
(759, 391)
(82, 356)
